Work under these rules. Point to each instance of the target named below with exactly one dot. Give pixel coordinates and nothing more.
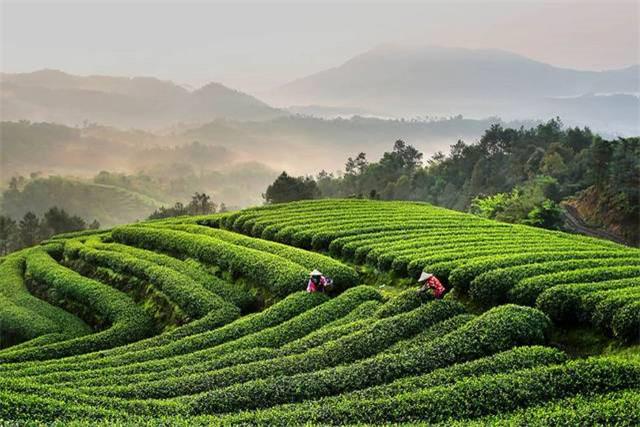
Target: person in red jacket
(317, 282)
(429, 281)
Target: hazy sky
(254, 46)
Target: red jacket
(312, 287)
(433, 283)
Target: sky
(256, 46)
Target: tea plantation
(206, 321)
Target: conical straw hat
(424, 276)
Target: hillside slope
(108, 204)
(196, 324)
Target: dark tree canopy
(529, 170)
(288, 189)
(200, 204)
(31, 229)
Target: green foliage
(343, 276)
(287, 189)
(124, 321)
(227, 291)
(31, 229)
(626, 321)
(523, 283)
(529, 204)
(405, 301)
(470, 397)
(615, 408)
(314, 358)
(192, 298)
(565, 303)
(175, 343)
(24, 317)
(278, 275)
(497, 330)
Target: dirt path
(577, 224)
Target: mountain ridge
(443, 81)
(53, 95)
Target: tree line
(515, 175)
(32, 229)
(200, 204)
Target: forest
(518, 175)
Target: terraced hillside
(205, 321)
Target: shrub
(616, 408)
(496, 286)
(360, 344)
(182, 290)
(527, 290)
(405, 301)
(626, 322)
(563, 303)
(23, 316)
(279, 275)
(462, 276)
(127, 322)
(467, 398)
(343, 276)
(609, 305)
(151, 349)
(497, 330)
(227, 291)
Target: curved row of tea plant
(24, 317)
(286, 357)
(192, 298)
(277, 273)
(122, 321)
(358, 357)
(490, 262)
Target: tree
(58, 221)
(402, 188)
(176, 210)
(578, 139)
(8, 235)
(546, 215)
(437, 158)
(479, 177)
(553, 165)
(356, 166)
(490, 206)
(287, 189)
(403, 157)
(601, 152)
(29, 230)
(201, 204)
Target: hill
(406, 81)
(167, 168)
(108, 204)
(141, 102)
(205, 321)
(303, 144)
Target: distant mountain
(54, 96)
(406, 81)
